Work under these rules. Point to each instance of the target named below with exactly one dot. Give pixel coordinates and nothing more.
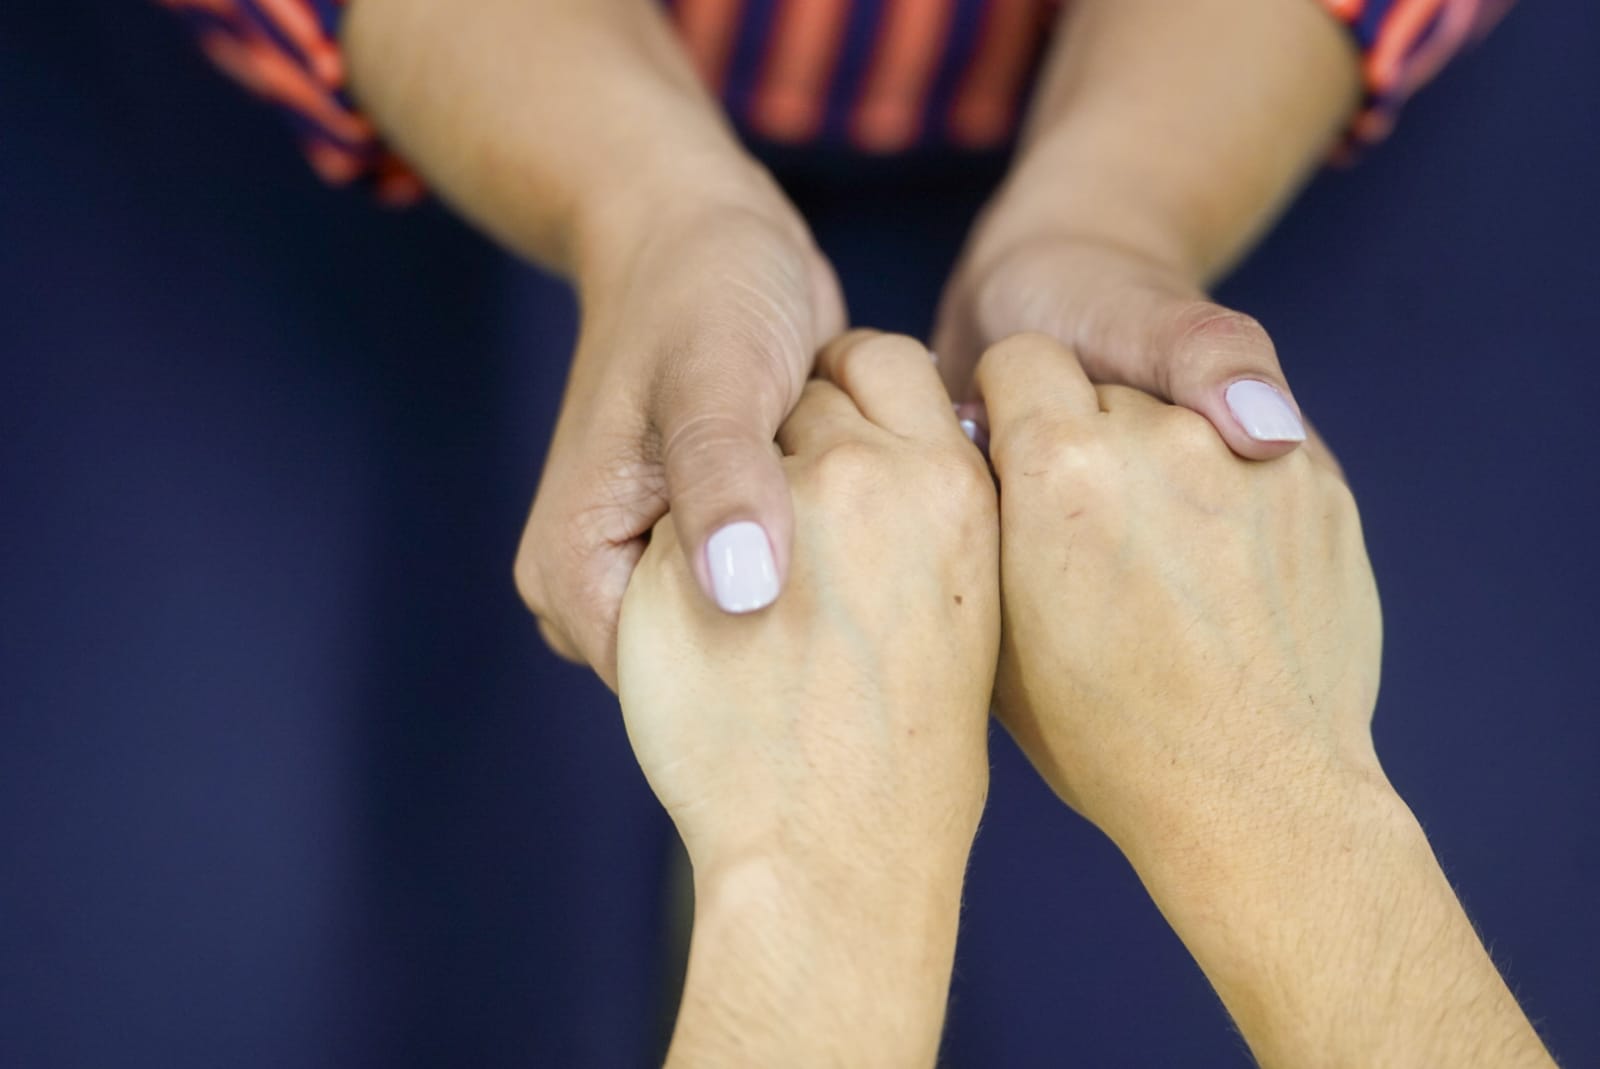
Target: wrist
(684, 197)
(857, 976)
(841, 891)
(1241, 869)
(1336, 933)
(1037, 208)
(1255, 818)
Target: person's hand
(1190, 658)
(1161, 141)
(1188, 636)
(693, 350)
(1131, 319)
(825, 760)
(848, 718)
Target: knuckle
(1024, 345)
(958, 484)
(527, 570)
(1036, 444)
(849, 469)
(887, 348)
(525, 574)
(1191, 435)
(558, 643)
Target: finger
(824, 417)
(1217, 362)
(1032, 377)
(559, 643)
(893, 381)
(729, 499)
(1118, 398)
(574, 589)
(1032, 387)
(973, 420)
(572, 576)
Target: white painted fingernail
(743, 575)
(1263, 412)
(970, 427)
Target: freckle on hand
(958, 599)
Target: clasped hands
(1185, 644)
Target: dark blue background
(285, 776)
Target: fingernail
(975, 432)
(743, 575)
(1263, 412)
(933, 357)
(968, 416)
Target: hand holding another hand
(825, 760)
(697, 338)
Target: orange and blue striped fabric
(875, 76)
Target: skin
(576, 134)
(825, 761)
(1234, 767)
(1162, 142)
(1188, 650)
(1164, 138)
(1190, 658)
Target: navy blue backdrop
(285, 775)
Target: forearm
(1331, 934)
(808, 965)
(557, 126)
(1178, 131)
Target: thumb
(728, 495)
(1217, 362)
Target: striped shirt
(874, 76)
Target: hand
(580, 137)
(1161, 142)
(1132, 320)
(1190, 659)
(850, 716)
(1187, 636)
(825, 761)
(694, 348)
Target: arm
(560, 127)
(1333, 937)
(1163, 140)
(791, 964)
(1191, 659)
(826, 760)
(575, 132)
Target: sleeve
(1404, 43)
(286, 52)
